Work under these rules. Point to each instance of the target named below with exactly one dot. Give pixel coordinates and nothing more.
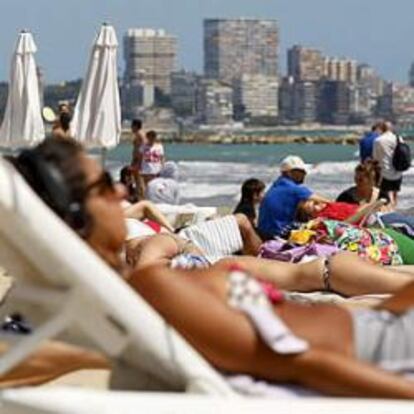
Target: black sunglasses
(104, 184)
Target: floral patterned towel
(372, 244)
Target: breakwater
(282, 136)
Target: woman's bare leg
(402, 269)
(349, 275)
(287, 276)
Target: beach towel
(216, 238)
(287, 252)
(405, 245)
(372, 244)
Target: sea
(212, 174)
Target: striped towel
(217, 238)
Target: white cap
(293, 162)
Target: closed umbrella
(97, 116)
(22, 123)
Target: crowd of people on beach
(236, 273)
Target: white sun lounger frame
(55, 269)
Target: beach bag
(401, 160)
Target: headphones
(52, 187)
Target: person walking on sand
(366, 144)
(151, 157)
(138, 139)
(61, 126)
(384, 147)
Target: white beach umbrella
(97, 116)
(22, 123)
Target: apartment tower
(150, 57)
(237, 47)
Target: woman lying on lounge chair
(351, 213)
(265, 335)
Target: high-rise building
(136, 98)
(397, 103)
(286, 99)
(214, 102)
(150, 58)
(369, 87)
(256, 96)
(236, 47)
(335, 102)
(411, 75)
(305, 101)
(344, 70)
(183, 92)
(366, 75)
(305, 64)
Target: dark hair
(376, 126)
(64, 120)
(301, 215)
(250, 188)
(152, 134)
(384, 126)
(371, 169)
(246, 206)
(125, 173)
(136, 124)
(54, 172)
(131, 187)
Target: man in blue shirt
(366, 144)
(278, 208)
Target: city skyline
(337, 29)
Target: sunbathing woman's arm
(147, 210)
(159, 249)
(374, 195)
(195, 307)
(401, 301)
(319, 199)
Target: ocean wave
(205, 180)
(208, 190)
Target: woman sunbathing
(265, 335)
(337, 210)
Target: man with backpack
(393, 157)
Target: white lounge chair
(79, 401)
(58, 272)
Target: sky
(377, 32)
